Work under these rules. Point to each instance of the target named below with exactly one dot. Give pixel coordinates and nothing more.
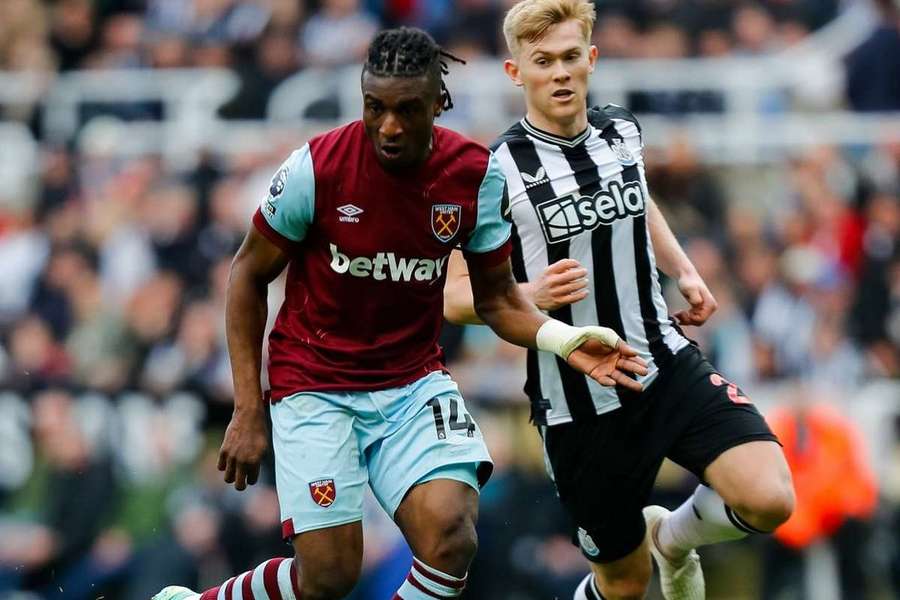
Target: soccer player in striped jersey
(364, 218)
(587, 239)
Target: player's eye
(542, 61)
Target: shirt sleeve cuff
(259, 221)
(491, 258)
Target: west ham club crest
(445, 219)
(323, 492)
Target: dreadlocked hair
(410, 52)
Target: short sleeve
(492, 227)
(287, 211)
(632, 127)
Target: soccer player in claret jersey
(583, 221)
(364, 218)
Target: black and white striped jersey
(586, 198)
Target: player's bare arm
(674, 262)
(595, 351)
(564, 282)
(257, 263)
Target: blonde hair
(529, 20)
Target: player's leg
(438, 519)
(729, 445)
(604, 469)
(426, 474)
(326, 566)
(330, 562)
(320, 478)
(755, 481)
(625, 578)
(751, 492)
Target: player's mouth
(563, 95)
(391, 151)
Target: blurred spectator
(195, 360)
(97, 341)
(23, 252)
(615, 36)
(275, 57)
(754, 30)
(876, 313)
(170, 215)
(479, 22)
(35, 358)
(714, 43)
(120, 44)
(836, 495)
(687, 193)
(338, 34)
(728, 336)
(873, 69)
(73, 32)
(63, 505)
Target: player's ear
(593, 53)
(438, 105)
(512, 71)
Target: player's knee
(768, 508)
(626, 579)
(331, 580)
(453, 542)
(632, 586)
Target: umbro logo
(539, 177)
(349, 212)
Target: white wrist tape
(561, 339)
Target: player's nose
(560, 73)
(390, 127)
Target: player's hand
(609, 366)
(703, 305)
(242, 450)
(564, 282)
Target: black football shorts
(604, 467)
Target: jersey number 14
(455, 424)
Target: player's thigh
(604, 471)
(437, 434)
(319, 469)
(728, 443)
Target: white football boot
(680, 580)
(176, 592)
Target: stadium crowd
(114, 378)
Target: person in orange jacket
(835, 486)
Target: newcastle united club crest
(622, 152)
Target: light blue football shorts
(328, 445)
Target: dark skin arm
(257, 263)
(560, 284)
(501, 304)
